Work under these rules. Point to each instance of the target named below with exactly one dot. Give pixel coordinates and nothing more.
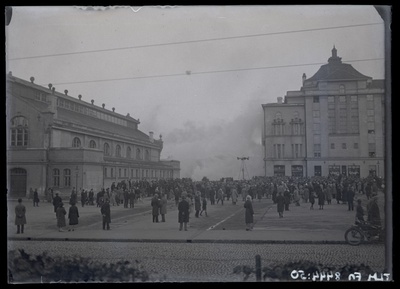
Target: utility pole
(243, 165)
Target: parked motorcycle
(364, 232)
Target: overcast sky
(204, 97)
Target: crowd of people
(193, 196)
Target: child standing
(204, 206)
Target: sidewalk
(138, 227)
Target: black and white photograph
(198, 144)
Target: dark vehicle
(362, 232)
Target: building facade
(333, 125)
(59, 141)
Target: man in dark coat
(126, 198)
(286, 196)
(20, 218)
(106, 213)
(280, 201)
(183, 213)
(73, 216)
(350, 197)
(197, 204)
(83, 198)
(132, 198)
(36, 198)
(249, 212)
(155, 204)
(56, 202)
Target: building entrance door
(18, 182)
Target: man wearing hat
(106, 213)
(20, 218)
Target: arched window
(56, 177)
(147, 155)
(342, 89)
(128, 152)
(106, 149)
(19, 131)
(118, 151)
(138, 154)
(76, 142)
(92, 144)
(67, 177)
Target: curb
(309, 242)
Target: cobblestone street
(208, 262)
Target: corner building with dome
(335, 124)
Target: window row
(136, 173)
(88, 111)
(344, 146)
(76, 143)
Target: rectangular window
(372, 149)
(131, 173)
(344, 146)
(353, 98)
(137, 173)
(105, 172)
(279, 171)
(331, 99)
(344, 170)
(119, 173)
(332, 146)
(316, 113)
(112, 172)
(370, 118)
(279, 150)
(316, 128)
(370, 112)
(355, 146)
(354, 171)
(317, 171)
(297, 171)
(342, 98)
(125, 173)
(296, 150)
(56, 178)
(316, 99)
(371, 125)
(334, 170)
(67, 178)
(370, 97)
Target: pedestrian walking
(350, 198)
(359, 211)
(204, 206)
(197, 204)
(234, 196)
(183, 213)
(73, 216)
(60, 213)
(312, 200)
(106, 214)
(155, 204)
(286, 196)
(36, 198)
(220, 196)
(321, 199)
(163, 207)
(83, 198)
(249, 212)
(132, 198)
(20, 216)
(56, 202)
(280, 204)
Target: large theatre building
(333, 125)
(59, 141)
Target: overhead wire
(193, 41)
(188, 73)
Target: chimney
(279, 99)
(151, 136)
